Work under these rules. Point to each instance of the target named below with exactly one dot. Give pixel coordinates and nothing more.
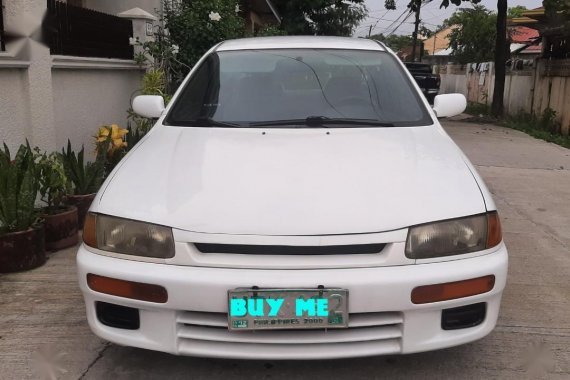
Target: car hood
(292, 181)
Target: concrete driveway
(42, 314)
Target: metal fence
(2, 35)
(83, 32)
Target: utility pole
(501, 51)
(369, 31)
(416, 27)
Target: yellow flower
(115, 134)
(118, 133)
(103, 134)
(118, 143)
(103, 131)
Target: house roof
(522, 34)
(300, 42)
(137, 13)
(525, 40)
(532, 18)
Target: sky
(382, 20)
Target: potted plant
(21, 234)
(60, 219)
(85, 179)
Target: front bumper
(383, 320)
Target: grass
(532, 126)
(544, 127)
(477, 109)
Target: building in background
(439, 41)
(553, 35)
(525, 45)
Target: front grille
(352, 249)
(379, 333)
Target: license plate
(269, 309)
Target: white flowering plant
(197, 25)
(160, 54)
(163, 74)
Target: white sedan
(297, 199)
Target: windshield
(248, 88)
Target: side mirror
(448, 105)
(150, 106)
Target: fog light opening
(463, 317)
(121, 317)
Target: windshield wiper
(207, 122)
(346, 121)
(322, 121)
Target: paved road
(42, 315)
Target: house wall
(85, 99)
(14, 118)
(526, 91)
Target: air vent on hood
(243, 249)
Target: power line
(372, 25)
(396, 20)
(380, 18)
(400, 24)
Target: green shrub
(270, 30)
(197, 25)
(85, 178)
(19, 187)
(54, 185)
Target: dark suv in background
(428, 82)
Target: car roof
(301, 42)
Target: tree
(557, 13)
(516, 11)
(473, 38)
(321, 17)
(394, 41)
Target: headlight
(454, 237)
(128, 237)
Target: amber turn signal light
(452, 290)
(127, 289)
(90, 230)
(494, 233)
